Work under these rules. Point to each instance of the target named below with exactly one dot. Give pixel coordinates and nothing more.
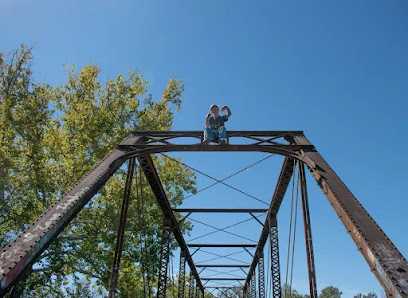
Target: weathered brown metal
(387, 263)
(231, 133)
(191, 286)
(20, 254)
(223, 278)
(152, 177)
(275, 265)
(280, 190)
(121, 229)
(164, 259)
(222, 265)
(220, 245)
(182, 275)
(220, 210)
(385, 260)
(261, 276)
(308, 232)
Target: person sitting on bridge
(214, 125)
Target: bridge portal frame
(386, 262)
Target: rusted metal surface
(121, 229)
(231, 133)
(191, 286)
(275, 265)
(280, 190)
(182, 275)
(261, 276)
(283, 149)
(222, 265)
(387, 263)
(152, 177)
(385, 260)
(220, 210)
(164, 260)
(253, 285)
(308, 232)
(220, 245)
(19, 255)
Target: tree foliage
(52, 136)
(330, 292)
(289, 292)
(369, 295)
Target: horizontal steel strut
(384, 259)
(222, 265)
(220, 210)
(220, 245)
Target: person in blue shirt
(214, 125)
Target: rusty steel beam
(384, 259)
(261, 276)
(182, 275)
(280, 190)
(146, 163)
(223, 278)
(19, 255)
(121, 229)
(253, 285)
(231, 133)
(275, 265)
(219, 210)
(191, 285)
(308, 232)
(164, 260)
(220, 245)
(222, 266)
(281, 149)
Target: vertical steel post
(182, 274)
(275, 266)
(261, 276)
(253, 285)
(121, 229)
(308, 232)
(164, 260)
(191, 286)
(197, 291)
(245, 292)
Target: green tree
(52, 136)
(330, 292)
(289, 292)
(369, 295)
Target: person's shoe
(223, 141)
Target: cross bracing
(384, 259)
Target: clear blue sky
(336, 69)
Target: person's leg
(222, 135)
(209, 135)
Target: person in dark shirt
(214, 125)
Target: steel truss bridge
(384, 259)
